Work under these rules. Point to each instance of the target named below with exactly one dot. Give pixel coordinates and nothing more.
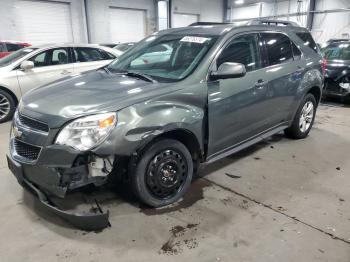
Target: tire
(163, 173)
(297, 130)
(7, 106)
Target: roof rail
(336, 40)
(208, 23)
(272, 22)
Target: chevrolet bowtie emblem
(17, 133)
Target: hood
(5, 69)
(87, 93)
(337, 68)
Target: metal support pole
(310, 14)
(225, 3)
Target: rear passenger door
(89, 58)
(284, 71)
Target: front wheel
(7, 106)
(163, 174)
(304, 118)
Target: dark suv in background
(337, 69)
(219, 89)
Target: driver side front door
(237, 105)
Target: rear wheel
(163, 174)
(304, 118)
(7, 106)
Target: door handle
(260, 84)
(65, 72)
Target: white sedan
(35, 66)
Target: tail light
(324, 65)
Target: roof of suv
(220, 29)
(65, 45)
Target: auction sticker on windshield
(194, 39)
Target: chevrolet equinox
(208, 91)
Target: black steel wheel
(163, 174)
(166, 174)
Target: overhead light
(239, 2)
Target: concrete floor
(280, 200)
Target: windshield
(123, 47)
(339, 51)
(166, 58)
(13, 57)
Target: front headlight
(87, 132)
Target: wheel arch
(316, 92)
(10, 93)
(182, 135)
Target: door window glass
(244, 50)
(308, 40)
(87, 54)
(40, 59)
(296, 52)
(279, 49)
(57, 56)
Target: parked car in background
(35, 66)
(7, 47)
(124, 46)
(337, 69)
(205, 93)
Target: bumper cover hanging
(85, 221)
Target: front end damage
(337, 83)
(85, 221)
(51, 171)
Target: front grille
(34, 124)
(27, 151)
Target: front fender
(139, 124)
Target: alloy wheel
(4, 106)
(306, 116)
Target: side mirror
(229, 70)
(27, 65)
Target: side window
(88, 54)
(106, 55)
(40, 59)
(2, 47)
(308, 40)
(296, 52)
(13, 47)
(278, 47)
(59, 56)
(242, 49)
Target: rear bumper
(84, 221)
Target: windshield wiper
(140, 76)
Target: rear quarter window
(278, 47)
(308, 40)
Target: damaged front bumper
(337, 86)
(85, 221)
